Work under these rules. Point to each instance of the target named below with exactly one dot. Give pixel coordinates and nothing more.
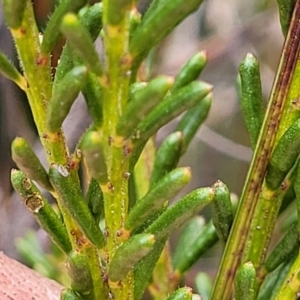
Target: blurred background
(227, 30)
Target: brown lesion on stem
(42, 60)
(79, 238)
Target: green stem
(116, 24)
(234, 247)
(36, 67)
(115, 96)
(262, 226)
(266, 212)
(37, 72)
(100, 287)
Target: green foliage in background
(112, 224)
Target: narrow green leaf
(251, 96)
(142, 103)
(92, 150)
(206, 239)
(91, 19)
(70, 194)
(94, 199)
(184, 293)
(190, 233)
(30, 248)
(203, 285)
(64, 96)
(275, 279)
(137, 150)
(79, 272)
(244, 282)
(144, 268)
(128, 254)
(135, 88)
(158, 22)
(167, 156)
(92, 93)
(289, 287)
(143, 170)
(36, 203)
(284, 156)
(172, 106)
(180, 212)
(68, 294)
(65, 64)
(287, 245)
(222, 212)
(153, 201)
(288, 198)
(193, 119)
(161, 285)
(285, 13)
(9, 71)
(154, 5)
(190, 71)
(13, 12)
(81, 41)
(135, 20)
(268, 284)
(29, 163)
(52, 34)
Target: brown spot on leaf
(34, 203)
